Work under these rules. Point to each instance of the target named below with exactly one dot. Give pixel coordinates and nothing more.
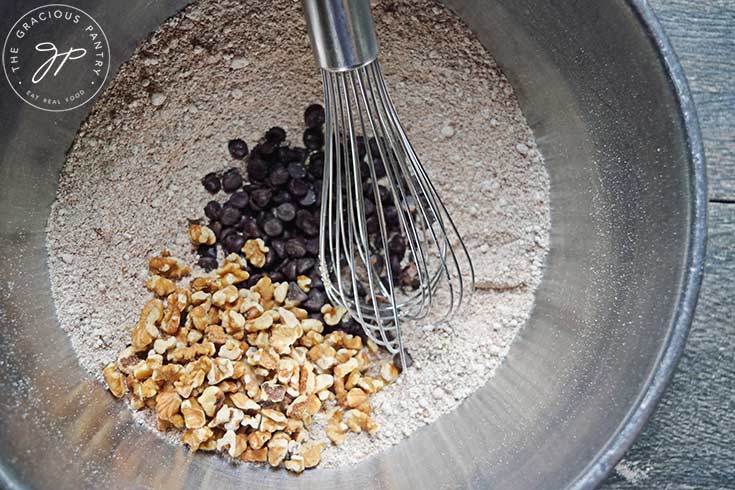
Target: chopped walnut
(241, 401)
(245, 370)
(255, 455)
(312, 453)
(336, 429)
(333, 315)
(235, 443)
(389, 371)
(356, 397)
(295, 463)
(255, 251)
(231, 350)
(167, 405)
(201, 235)
(115, 380)
(280, 292)
(346, 368)
(211, 399)
(323, 382)
(304, 282)
(160, 286)
(194, 438)
(225, 295)
(146, 331)
(310, 324)
(257, 439)
(277, 448)
(194, 416)
(167, 266)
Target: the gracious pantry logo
(56, 57)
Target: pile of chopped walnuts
(245, 370)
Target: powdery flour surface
(225, 69)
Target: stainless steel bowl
(611, 111)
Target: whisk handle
(342, 33)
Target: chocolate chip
(279, 197)
(238, 149)
(276, 135)
(279, 176)
(212, 210)
(316, 278)
(239, 199)
(309, 198)
(316, 165)
(249, 227)
(233, 242)
(298, 187)
(211, 183)
(300, 153)
(307, 223)
(361, 148)
(278, 246)
(260, 198)
(296, 170)
(303, 265)
(257, 169)
(313, 138)
(312, 246)
(295, 247)
(216, 227)
(286, 211)
(315, 300)
(229, 215)
(207, 263)
(207, 251)
(295, 294)
(273, 227)
(391, 216)
(288, 269)
(314, 116)
(397, 245)
(397, 360)
(231, 180)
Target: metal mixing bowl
(609, 105)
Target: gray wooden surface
(690, 441)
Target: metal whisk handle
(342, 33)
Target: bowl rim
(605, 460)
(593, 475)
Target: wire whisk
(389, 250)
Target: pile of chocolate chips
(278, 200)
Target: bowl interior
(608, 120)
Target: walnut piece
(255, 251)
(201, 235)
(115, 380)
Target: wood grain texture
(703, 35)
(689, 443)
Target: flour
(226, 69)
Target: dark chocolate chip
(229, 215)
(212, 210)
(314, 116)
(211, 183)
(238, 148)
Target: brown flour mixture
(226, 69)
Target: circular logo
(56, 57)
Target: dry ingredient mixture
(224, 70)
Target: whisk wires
(387, 241)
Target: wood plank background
(690, 441)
